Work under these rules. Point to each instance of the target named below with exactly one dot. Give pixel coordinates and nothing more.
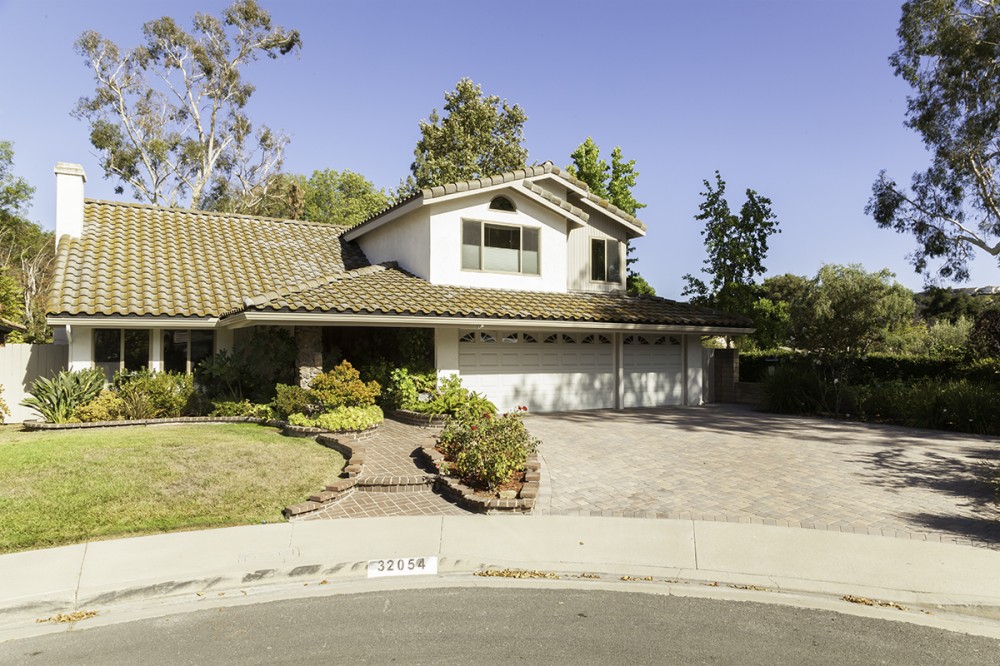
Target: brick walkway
(391, 462)
(727, 463)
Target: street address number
(402, 566)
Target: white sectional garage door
(544, 371)
(653, 370)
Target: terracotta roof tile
(388, 290)
(135, 259)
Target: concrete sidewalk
(106, 575)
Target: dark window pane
(501, 249)
(136, 349)
(597, 268)
(506, 238)
(107, 345)
(175, 351)
(202, 346)
(614, 261)
(502, 203)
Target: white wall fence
(20, 365)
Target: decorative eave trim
(385, 217)
(249, 318)
(133, 321)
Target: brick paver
(360, 504)
(728, 463)
(391, 463)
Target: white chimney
(69, 199)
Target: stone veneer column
(309, 359)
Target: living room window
(118, 349)
(184, 349)
(499, 248)
(605, 260)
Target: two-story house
(521, 277)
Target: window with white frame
(499, 248)
(605, 260)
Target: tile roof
(388, 290)
(135, 259)
(547, 168)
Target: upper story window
(503, 203)
(499, 247)
(605, 260)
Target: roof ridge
(285, 292)
(212, 213)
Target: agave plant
(57, 398)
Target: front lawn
(69, 486)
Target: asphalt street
(503, 625)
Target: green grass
(63, 487)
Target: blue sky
(792, 98)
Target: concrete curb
(147, 570)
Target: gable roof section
(386, 289)
(135, 259)
(547, 169)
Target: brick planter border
(418, 418)
(43, 425)
(456, 491)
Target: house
(521, 278)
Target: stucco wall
(446, 243)
(406, 241)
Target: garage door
(653, 370)
(544, 371)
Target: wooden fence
(20, 365)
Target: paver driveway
(728, 463)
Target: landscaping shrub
(793, 388)
(293, 399)
(958, 405)
(485, 450)
(342, 387)
(56, 398)
(252, 369)
(241, 408)
(403, 389)
(984, 338)
(449, 398)
(107, 406)
(342, 419)
(4, 409)
(162, 394)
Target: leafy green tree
(168, 117)
(943, 304)
(345, 198)
(736, 246)
(948, 52)
(772, 309)
(26, 253)
(479, 136)
(984, 338)
(590, 168)
(342, 198)
(614, 183)
(847, 312)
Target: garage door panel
(652, 375)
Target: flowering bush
(485, 450)
(342, 386)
